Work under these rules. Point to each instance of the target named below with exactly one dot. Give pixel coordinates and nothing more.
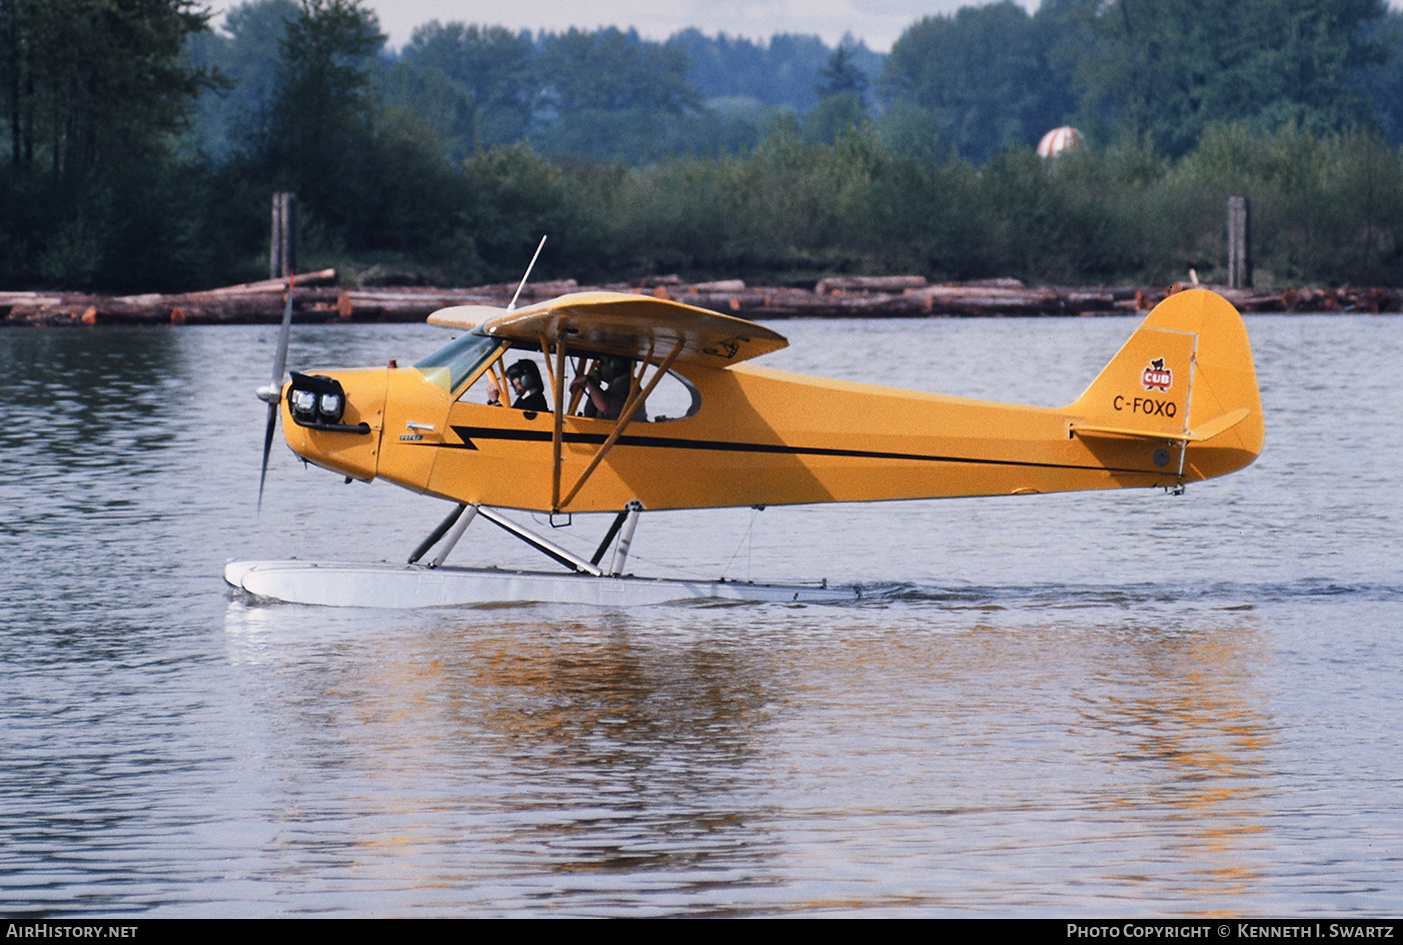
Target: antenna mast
(511, 306)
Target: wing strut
(557, 433)
(625, 418)
(576, 395)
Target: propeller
(273, 393)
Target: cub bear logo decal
(1157, 376)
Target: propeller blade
(267, 448)
(273, 392)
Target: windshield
(456, 361)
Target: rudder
(1185, 375)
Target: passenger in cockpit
(606, 388)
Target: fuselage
(758, 437)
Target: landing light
(304, 405)
(331, 407)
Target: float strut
(454, 534)
(540, 543)
(608, 537)
(630, 523)
(437, 533)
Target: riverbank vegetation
(139, 149)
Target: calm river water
(1098, 704)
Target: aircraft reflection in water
(1177, 404)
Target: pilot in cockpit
(525, 379)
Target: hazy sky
(878, 22)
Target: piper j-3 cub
(1177, 404)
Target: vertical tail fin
(1185, 376)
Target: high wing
(633, 326)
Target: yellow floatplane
(1177, 404)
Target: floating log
(724, 285)
(316, 299)
(399, 305)
(988, 300)
(887, 284)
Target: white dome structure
(1058, 140)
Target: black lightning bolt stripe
(468, 434)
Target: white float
(408, 586)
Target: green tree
(783, 71)
(246, 54)
(495, 67)
(912, 131)
(324, 73)
(442, 108)
(94, 94)
(610, 70)
(1381, 82)
(321, 117)
(371, 179)
(93, 84)
(842, 75)
(833, 115)
(986, 74)
(1167, 69)
(609, 94)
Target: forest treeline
(139, 147)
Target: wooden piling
(282, 247)
(1239, 244)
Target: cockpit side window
(601, 387)
(604, 384)
(509, 375)
(675, 398)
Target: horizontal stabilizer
(1205, 432)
